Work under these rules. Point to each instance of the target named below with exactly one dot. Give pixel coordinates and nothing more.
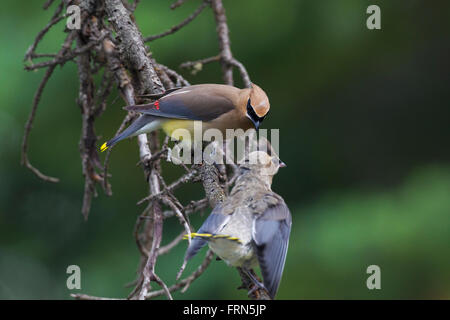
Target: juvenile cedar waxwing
(252, 226)
(216, 105)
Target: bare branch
(29, 125)
(106, 186)
(243, 71)
(177, 4)
(47, 4)
(54, 20)
(36, 99)
(192, 207)
(186, 178)
(131, 47)
(133, 52)
(128, 63)
(68, 56)
(185, 283)
(179, 80)
(213, 189)
(224, 40)
(81, 296)
(225, 56)
(88, 150)
(180, 25)
(198, 64)
(135, 4)
(165, 249)
(42, 55)
(247, 283)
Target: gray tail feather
(196, 245)
(129, 132)
(211, 225)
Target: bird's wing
(271, 231)
(212, 224)
(191, 103)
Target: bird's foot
(257, 285)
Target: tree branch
(133, 53)
(224, 40)
(126, 62)
(181, 24)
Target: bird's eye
(251, 112)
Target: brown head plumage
(256, 104)
(263, 165)
(259, 101)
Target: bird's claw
(256, 286)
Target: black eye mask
(252, 114)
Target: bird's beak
(282, 164)
(256, 123)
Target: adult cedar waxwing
(216, 105)
(252, 225)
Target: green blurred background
(364, 127)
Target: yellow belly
(184, 129)
(171, 127)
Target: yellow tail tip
(103, 147)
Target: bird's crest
(259, 100)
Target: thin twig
(186, 225)
(129, 63)
(88, 151)
(185, 283)
(186, 178)
(42, 55)
(106, 186)
(224, 40)
(227, 61)
(200, 62)
(177, 4)
(69, 56)
(179, 80)
(29, 125)
(243, 71)
(180, 25)
(172, 244)
(36, 99)
(192, 207)
(54, 20)
(134, 54)
(47, 4)
(81, 296)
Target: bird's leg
(256, 283)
